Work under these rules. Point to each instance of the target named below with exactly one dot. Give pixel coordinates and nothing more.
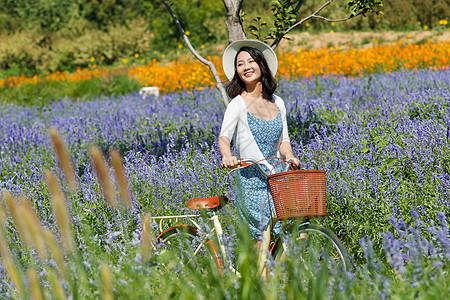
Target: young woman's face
(247, 68)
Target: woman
(256, 120)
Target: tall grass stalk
(122, 180)
(103, 176)
(57, 289)
(33, 226)
(35, 287)
(63, 158)
(61, 210)
(56, 253)
(19, 221)
(147, 238)
(3, 218)
(11, 270)
(105, 274)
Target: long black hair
(236, 86)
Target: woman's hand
(229, 162)
(293, 160)
(286, 151)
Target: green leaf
(391, 161)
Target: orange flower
(188, 73)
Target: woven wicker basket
(298, 193)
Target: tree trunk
(234, 20)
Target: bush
(397, 15)
(117, 42)
(21, 51)
(204, 19)
(29, 52)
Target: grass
(45, 92)
(111, 253)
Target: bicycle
(297, 196)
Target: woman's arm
(228, 160)
(286, 152)
(229, 123)
(285, 148)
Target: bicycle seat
(216, 203)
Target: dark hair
(236, 86)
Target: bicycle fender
(177, 228)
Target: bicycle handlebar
(247, 162)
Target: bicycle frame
(217, 231)
(214, 233)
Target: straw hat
(230, 53)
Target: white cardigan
(235, 124)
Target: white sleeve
(285, 134)
(230, 120)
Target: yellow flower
(163, 55)
(92, 59)
(202, 46)
(187, 32)
(136, 55)
(180, 46)
(408, 36)
(332, 23)
(331, 31)
(425, 27)
(102, 58)
(306, 24)
(299, 50)
(419, 23)
(375, 41)
(125, 60)
(444, 22)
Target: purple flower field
(383, 140)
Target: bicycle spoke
(315, 248)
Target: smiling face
(247, 68)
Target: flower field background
(187, 73)
(383, 139)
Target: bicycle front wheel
(314, 246)
(184, 245)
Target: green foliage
(362, 6)
(257, 30)
(60, 15)
(29, 53)
(199, 17)
(45, 92)
(284, 15)
(50, 35)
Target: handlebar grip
(243, 163)
(293, 166)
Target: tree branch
(314, 15)
(280, 36)
(211, 66)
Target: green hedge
(50, 35)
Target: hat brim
(230, 53)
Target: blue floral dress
(251, 189)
